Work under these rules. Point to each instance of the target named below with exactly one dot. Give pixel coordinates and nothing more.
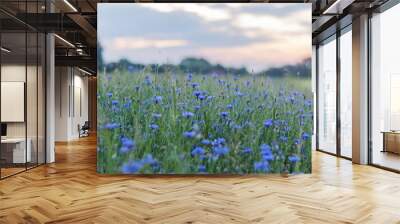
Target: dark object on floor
(3, 129)
(84, 130)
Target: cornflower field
(176, 123)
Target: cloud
(260, 55)
(254, 35)
(268, 23)
(204, 11)
(126, 43)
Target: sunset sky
(254, 35)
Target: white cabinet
(18, 145)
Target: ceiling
(75, 22)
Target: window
(346, 93)
(22, 86)
(385, 89)
(327, 96)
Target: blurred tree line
(202, 66)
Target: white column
(360, 90)
(50, 91)
(50, 99)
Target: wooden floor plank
(70, 191)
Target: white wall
(80, 96)
(16, 73)
(62, 82)
(70, 83)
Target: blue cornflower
(218, 141)
(294, 158)
(189, 134)
(229, 106)
(220, 150)
(155, 115)
(266, 152)
(308, 103)
(268, 157)
(197, 93)
(154, 126)
(127, 145)
(197, 107)
(195, 85)
(265, 149)
(189, 76)
(201, 97)
(202, 168)
(109, 94)
(305, 136)
(111, 126)
(205, 142)
(292, 99)
(197, 151)
(247, 150)
(224, 114)
(187, 114)
(268, 123)
(128, 104)
(157, 99)
(262, 166)
(148, 159)
(131, 167)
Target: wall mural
(220, 88)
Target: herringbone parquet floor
(70, 191)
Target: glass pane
(314, 89)
(327, 96)
(346, 94)
(41, 99)
(13, 86)
(31, 97)
(31, 88)
(385, 89)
